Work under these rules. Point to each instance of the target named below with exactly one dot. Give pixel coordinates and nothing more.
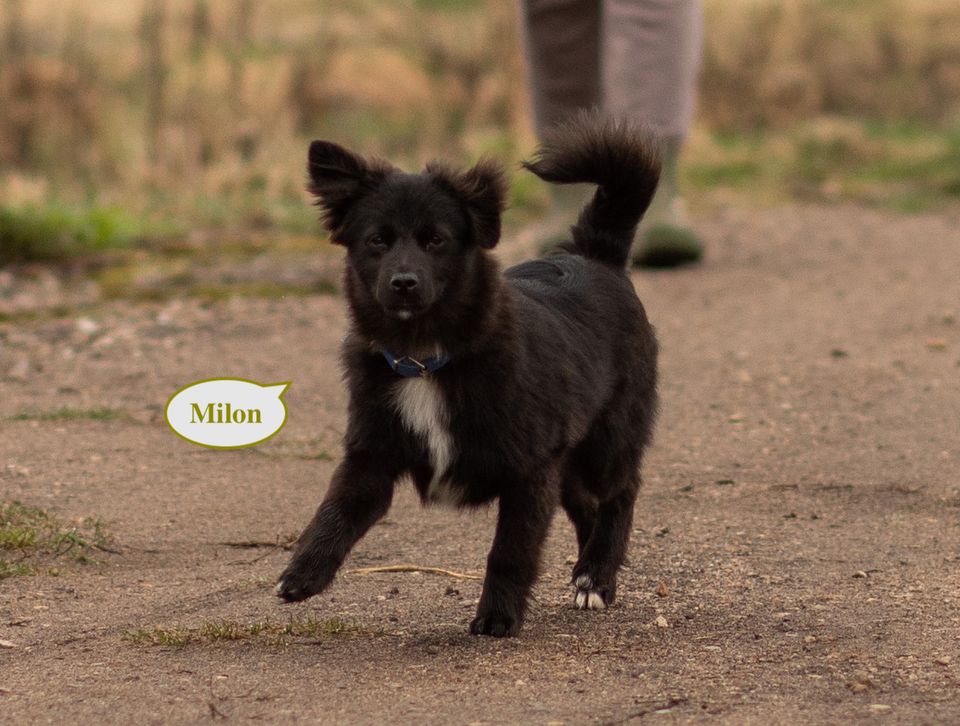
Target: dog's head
(409, 236)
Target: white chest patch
(424, 412)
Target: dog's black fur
(549, 395)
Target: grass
(267, 290)
(73, 414)
(15, 569)
(50, 232)
(228, 630)
(218, 269)
(121, 283)
(173, 637)
(901, 167)
(305, 449)
(32, 534)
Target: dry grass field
(165, 116)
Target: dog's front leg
(360, 493)
(514, 559)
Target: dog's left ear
(483, 191)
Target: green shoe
(667, 245)
(567, 201)
(665, 238)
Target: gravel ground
(795, 558)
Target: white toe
(588, 598)
(595, 601)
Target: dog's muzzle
(404, 295)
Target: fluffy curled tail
(622, 160)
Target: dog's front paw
(498, 625)
(298, 582)
(590, 596)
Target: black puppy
(537, 387)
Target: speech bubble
(227, 413)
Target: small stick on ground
(412, 568)
(257, 544)
(271, 547)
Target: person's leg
(649, 63)
(561, 40)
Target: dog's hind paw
(588, 596)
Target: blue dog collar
(412, 368)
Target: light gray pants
(633, 58)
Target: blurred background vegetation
(153, 119)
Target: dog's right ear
(338, 178)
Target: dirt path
(796, 556)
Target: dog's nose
(404, 282)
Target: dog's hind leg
(579, 503)
(595, 574)
(514, 560)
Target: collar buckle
(424, 371)
(409, 367)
